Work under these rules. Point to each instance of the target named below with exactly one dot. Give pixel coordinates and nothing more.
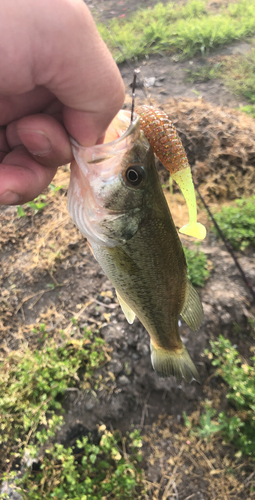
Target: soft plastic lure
(167, 146)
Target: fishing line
(227, 245)
(136, 72)
(141, 83)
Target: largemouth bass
(116, 200)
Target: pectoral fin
(130, 315)
(122, 261)
(192, 311)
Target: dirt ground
(48, 275)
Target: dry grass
(183, 466)
(220, 143)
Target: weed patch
(197, 266)
(38, 203)
(236, 425)
(208, 426)
(87, 471)
(237, 222)
(32, 385)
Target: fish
(116, 200)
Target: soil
(48, 275)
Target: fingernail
(36, 142)
(9, 198)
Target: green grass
(237, 223)
(197, 266)
(238, 73)
(187, 30)
(249, 110)
(204, 73)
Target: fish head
(111, 182)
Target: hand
(57, 77)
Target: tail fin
(177, 363)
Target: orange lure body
(163, 138)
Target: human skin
(57, 77)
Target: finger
(13, 107)
(4, 148)
(22, 178)
(44, 137)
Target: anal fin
(192, 311)
(129, 313)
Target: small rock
(208, 310)
(108, 333)
(143, 349)
(123, 380)
(150, 81)
(132, 340)
(82, 296)
(90, 404)
(124, 346)
(73, 260)
(226, 318)
(107, 300)
(115, 366)
(135, 356)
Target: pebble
(143, 349)
(123, 380)
(226, 319)
(115, 366)
(90, 404)
(132, 340)
(135, 356)
(124, 346)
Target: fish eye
(134, 175)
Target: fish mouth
(95, 167)
(119, 137)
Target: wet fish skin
(149, 273)
(146, 263)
